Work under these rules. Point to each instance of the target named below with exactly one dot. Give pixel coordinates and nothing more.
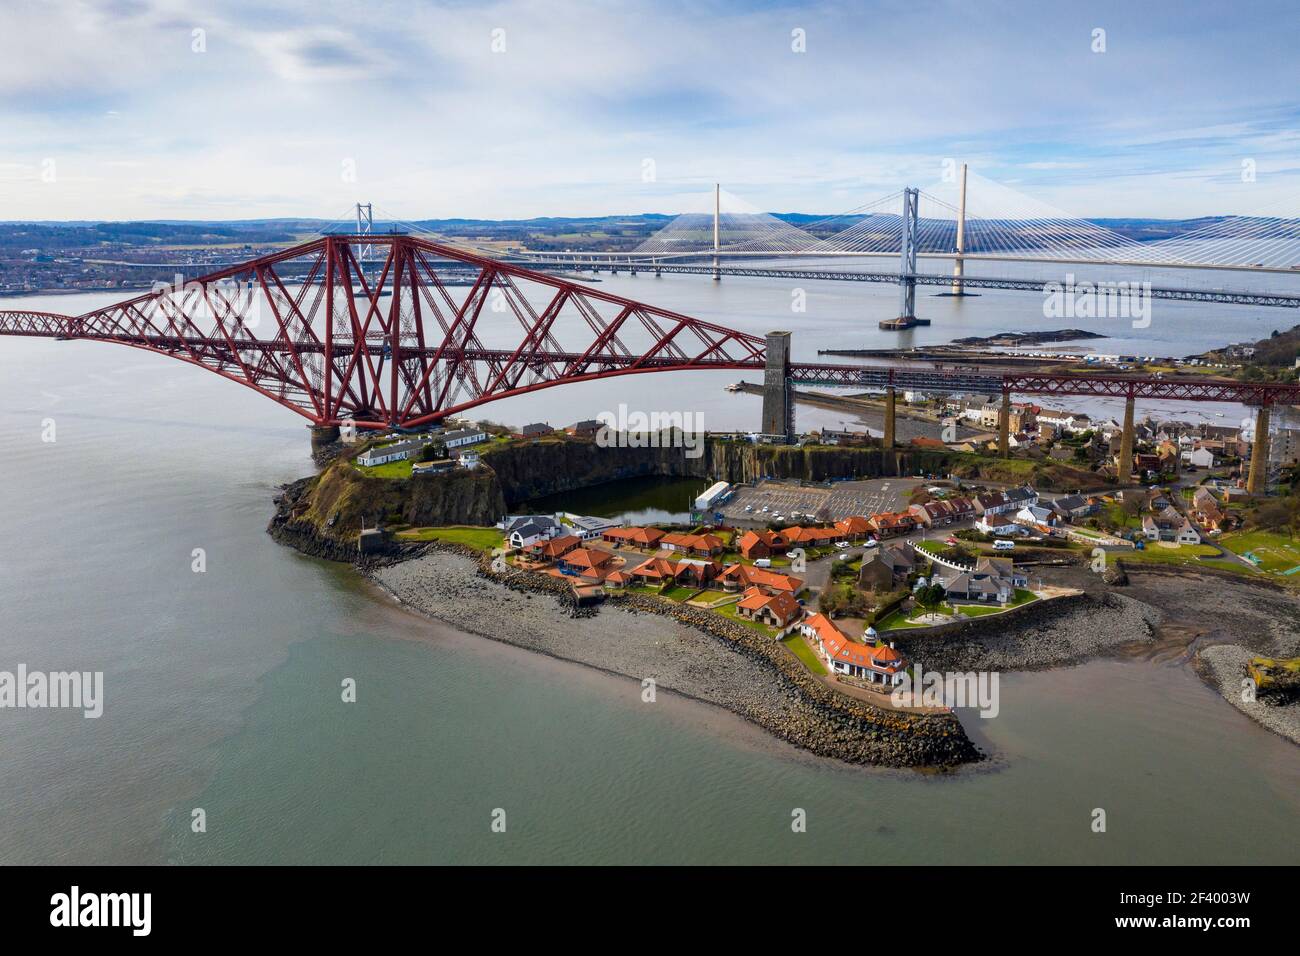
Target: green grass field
(801, 650)
(390, 469)
(1277, 553)
(729, 610)
(483, 539)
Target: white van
(1002, 544)
(763, 562)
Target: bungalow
(854, 528)
(879, 665)
(463, 436)
(762, 544)
(1073, 506)
(633, 537)
(436, 467)
(1037, 515)
(889, 525)
(738, 577)
(585, 429)
(812, 537)
(997, 524)
(775, 610)
(550, 549)
(535, 430)
(590, 527)
(398, 451)
(696, 571)
(705, 545)
(660, 570)
(590, 563)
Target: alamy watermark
(922, 688)
(638, 429)
(231, 301)
(76, 690)
(1098, 300)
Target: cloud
(511, 109)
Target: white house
(1200, 457)
(997, 524)
(464, 436)
(523, 530)
(398, 451)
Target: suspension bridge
(394, 344)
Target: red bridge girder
(368, 329)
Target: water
(223, 688)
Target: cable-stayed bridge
(938, 225)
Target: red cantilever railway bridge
(398, 331)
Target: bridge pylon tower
(907, 261)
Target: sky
(149, 109)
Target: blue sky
(107, 110)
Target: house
(696, 571)
(654, 571)
(549, 549)
(705, 545)
(739, 577)
(933, 514)
(774, 610)
(992, 502)
(589, 527)
(463, 436)
(762, 544)
(997, 524)
(1073, 506)
(535, 430)
(888, 525)
(1199, 456)
(854, 528)
(812, 537)
(889, 568)
(397, 451)
(436, 467)
(1163, 526)
(586, 429)
(523, 530)
(992, 579)
(879, 665)
(590, 563)
(1018, 498)
(1037, 515)
(467, 458)
(963, 509)
(633, 537)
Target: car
(842, 544)
(845, 556)
(765, 509)
(949, 540)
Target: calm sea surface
(223, 688)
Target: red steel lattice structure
(393, 345)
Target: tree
(433, 451)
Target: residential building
(523, 530)
(991, 580)
(774, 610)
(889, 568)
(634, 537)
(762, 544)
(889, 525)
(879, 665)
(740, 577)
(463, 436)
(854, 528)
(705, 545)
(550, 549)
(585, 429)
(382, 454)
(535, 430)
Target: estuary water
(222, 686)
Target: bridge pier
(322, 435)
(1125, 463)
(1257, 477)
(889, 440)
(1004, 426)
(778, 403)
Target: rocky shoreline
(689, 651)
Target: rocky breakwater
(687, 650)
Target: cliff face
(534, 470)
(332, 505)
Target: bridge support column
(322, 435)
(1004, 426)
(1257, 479)
(1125, 463)
(891, 409)
(778, 403)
